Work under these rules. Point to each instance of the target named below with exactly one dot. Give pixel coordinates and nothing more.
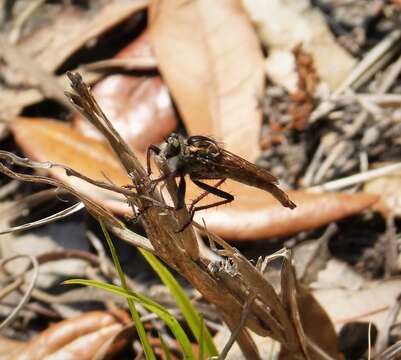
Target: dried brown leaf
(316, 323)
(10, 347)
(371, 302)
(70, 30)
(255, 214)
(140, 108)
(138, 48)
(50, 140)
(75, 338)
(210, 58)
(47, 40)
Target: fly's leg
(153, 183)
(212, 190)
(182, 188)
(151, 149)
(204, 194)
(208, 189)
(155, 150)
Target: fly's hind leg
(208, 189)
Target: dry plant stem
(391, 319)
(288, 294)
(135, 63)
(356, 179)
(389, 45)
(24, 15)
(338, 149)
(47, 220)
(105, 265)
(318, 352)
(161, 229)
(86, 256)
(379, 99)
(235, 333)
(27, 203)
(389, 77)
(284, 317)
(8, 189)
(391, 353)
(12, 316)
(371, 63)
(115, 225)
(314, 164)
(11, 287)
(391, 257)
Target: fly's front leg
(153, 183)
(151, 149)
(182, 188)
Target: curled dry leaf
(255, 214)
(76, 338)
(50, 140)
(140, 108)
(210, 58)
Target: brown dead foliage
(139, 106)
(80, 337)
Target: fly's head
(172, 152)
(172, 146)
(195, 153)
(203, 149)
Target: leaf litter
(321, 126)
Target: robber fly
(202, 158)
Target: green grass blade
(131, 305)
(201, 340)
(166, 351)
(151, 305)
(190, 314)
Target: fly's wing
(241, 170)
(244, 171)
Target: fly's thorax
(203, 154)
(174, 163)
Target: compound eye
(173, 146)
